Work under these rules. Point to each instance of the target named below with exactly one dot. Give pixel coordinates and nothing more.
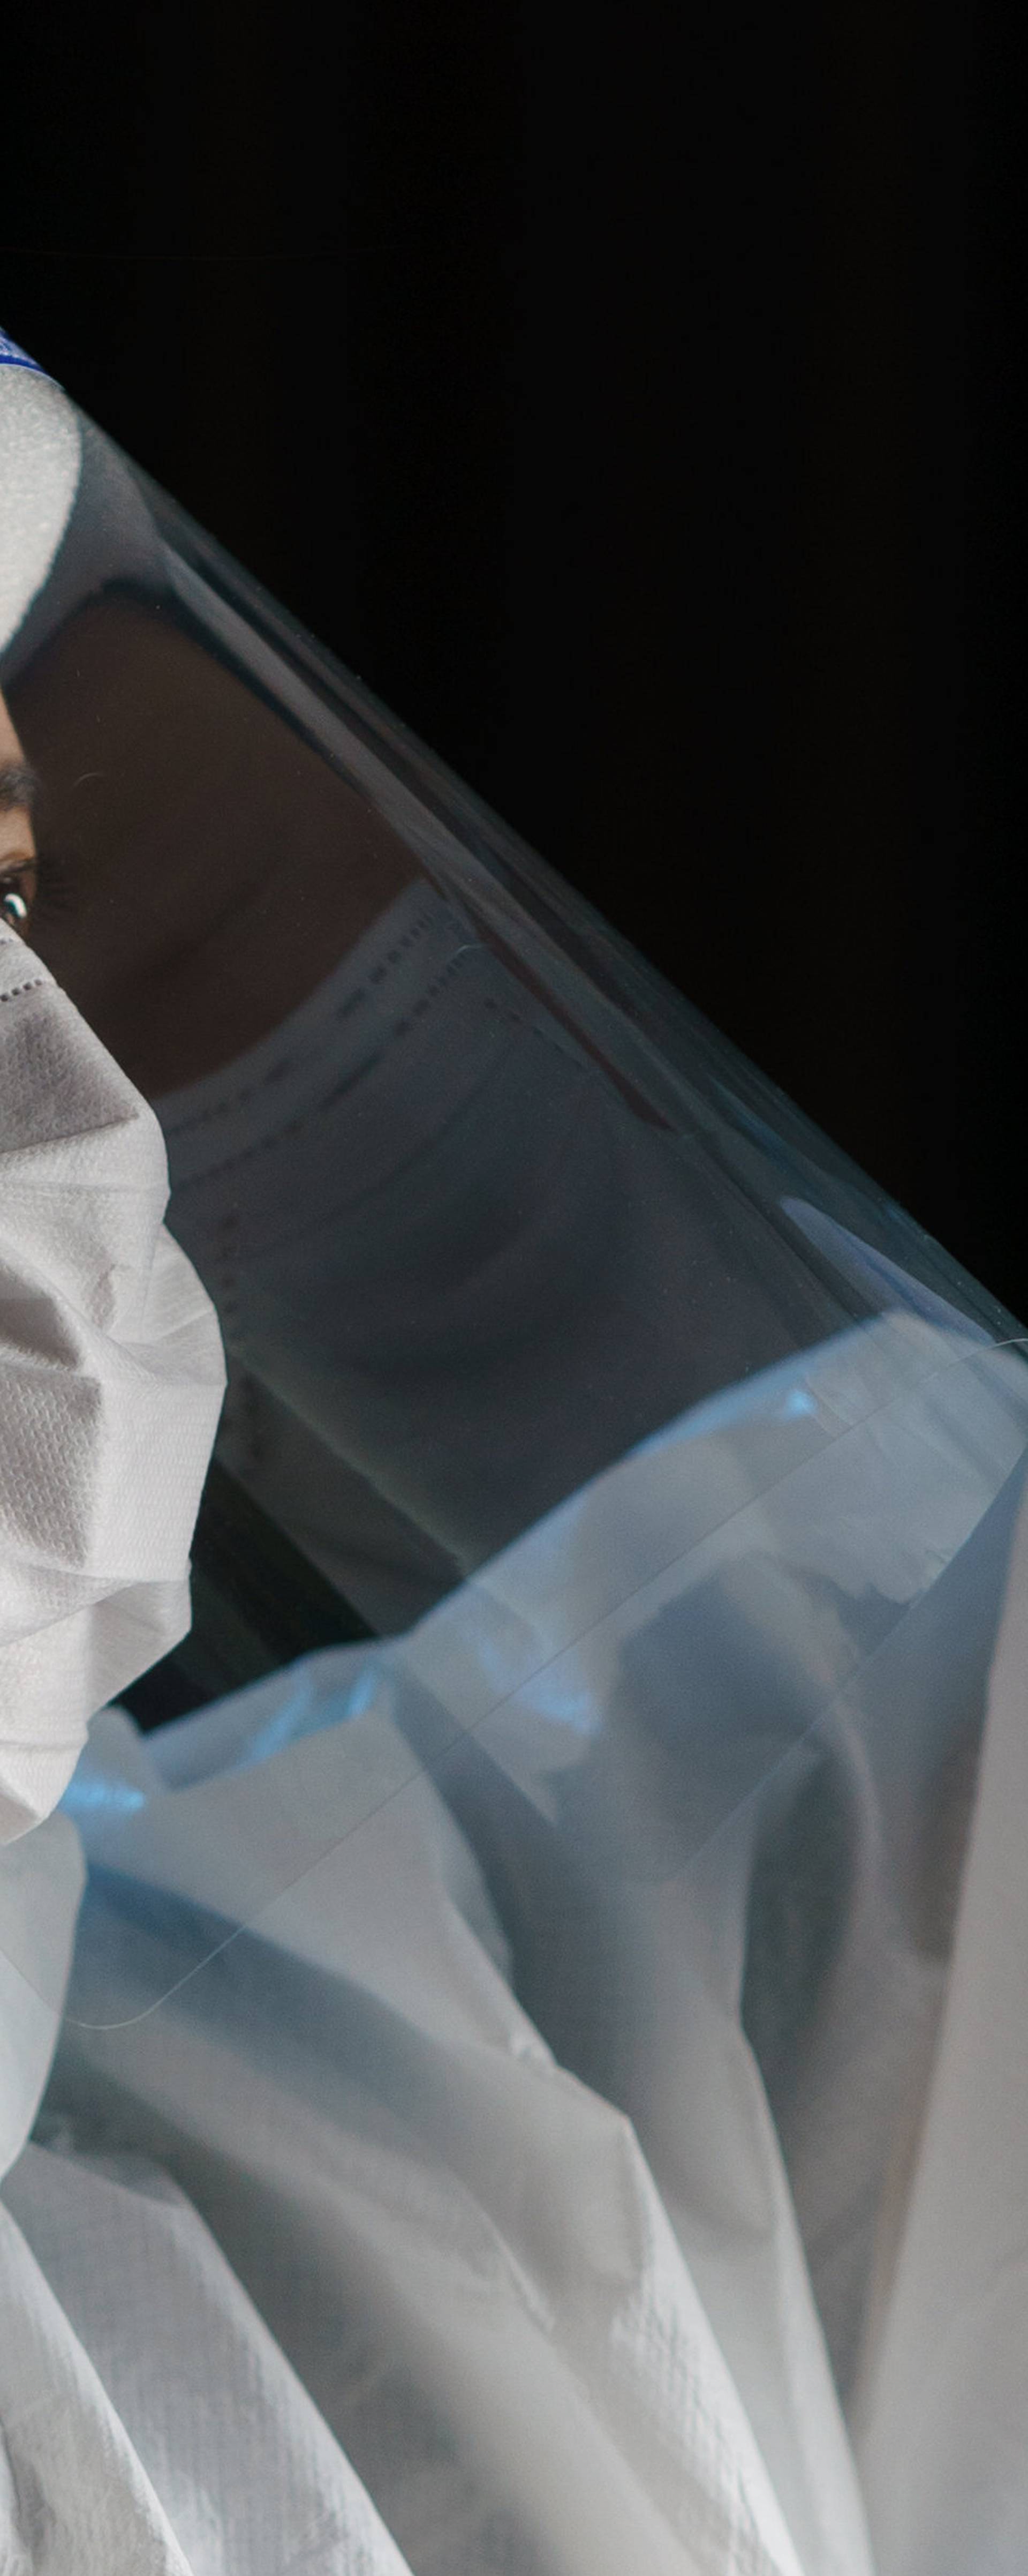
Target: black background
(627, 396)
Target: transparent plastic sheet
(480, 1204)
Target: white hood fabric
(71, 515)
(111, 1381)
(40, 460)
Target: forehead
(10, 748)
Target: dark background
(627, 396)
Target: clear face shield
(572, 1764)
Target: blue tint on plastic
(88, 1794)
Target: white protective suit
(542, 2095)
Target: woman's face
(202, 868)
(17, 845)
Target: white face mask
(111, 1380)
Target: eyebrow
(19, 787)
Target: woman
(540, 2092)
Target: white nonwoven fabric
(71, 515)
(40, 457)
(150, 2425)
(111, 1381)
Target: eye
(33, 888)
(17, 895)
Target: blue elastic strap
(12, 356)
